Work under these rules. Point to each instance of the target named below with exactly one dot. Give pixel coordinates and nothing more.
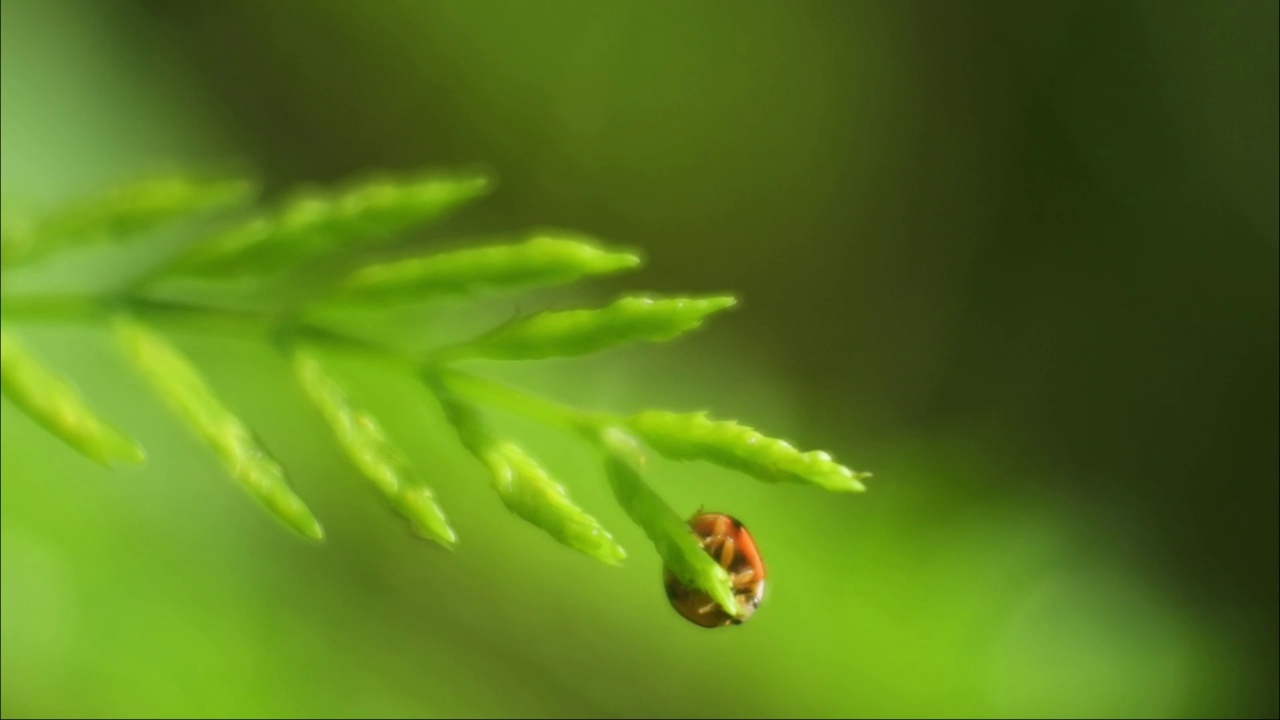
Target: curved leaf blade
(321, 222)
(694, 436)
(367, 445)
(122, 212)
(527, 489)
(542, 260)
(176, 380)
(58, 407)
(565, 333)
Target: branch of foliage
(336, 223)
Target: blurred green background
(1018, 260)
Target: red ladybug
(727, 540)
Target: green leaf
(120, 213)
(526, 488)
(543, 260)
(694, 436)
(318, 223)
(528, 491)
(53, 403)
(676, 544)
(176, 380)
(372, 452)
(563, 333)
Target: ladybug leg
(714, 543)
(722, 526)
(744, 578)
(713, 606)
(727, 551)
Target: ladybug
(727, 540)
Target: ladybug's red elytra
(727, 540)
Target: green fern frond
(525, 487)
(52, 402)
(327, 226)
(563, 333)
(317, 223)
(121, 213)
(175, 379)
(542, 260)
(670, 535)
(364, 441)
(694, 436)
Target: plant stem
(287, 329)
(75, 308)
(537, 408)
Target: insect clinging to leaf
(727, 540)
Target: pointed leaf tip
(175, 379)
(524, 486)
(427, 520)
(369, 448)
(695, 436)
(316, 223)
(529, 492)
(544, 259)
(57, 406)
(564, 333)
